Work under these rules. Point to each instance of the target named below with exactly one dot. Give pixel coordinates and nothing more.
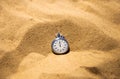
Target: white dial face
(60, 46)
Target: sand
(27, 28)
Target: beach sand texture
(27, 28)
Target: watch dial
(60, 46)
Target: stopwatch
(60, 45)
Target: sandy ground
(27, 28)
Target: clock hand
(59, 44)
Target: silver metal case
(59, 37)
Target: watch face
(60, 46)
